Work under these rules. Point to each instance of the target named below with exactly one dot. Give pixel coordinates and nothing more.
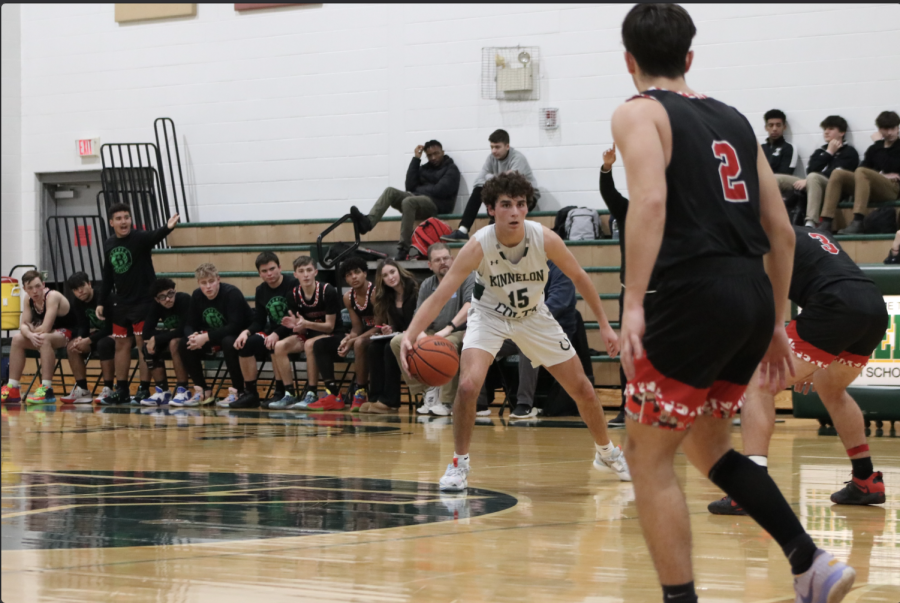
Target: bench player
(510, 258)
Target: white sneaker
(106, 393)
(181, 396)
(232, 397)
(160, 397)
(810, 224)
(441, 410)
(79, 395)
(197, 399)
(616, 462)
(483, 413)
(429, 400)
(454, 479)
(826, 581)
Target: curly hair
(385, 296)
(354, 262)
(512, 184)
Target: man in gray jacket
(430, 190)
(503, 158)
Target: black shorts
(104, 348)
(129, 319)
(254, 346)
(704, 337)
(846, 321)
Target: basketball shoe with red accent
(861, 491)
(359, 398)
(11, 395)
(725, 506)
(328, 402)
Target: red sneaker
(861, 492)
(327, 402)
(359, 398)
(11, 395)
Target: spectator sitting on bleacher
(327, 350)
(835, 154)
(449, 324)
(894, 254)
(217, 316)
(778, 151)
(877, 179)
(396, 291)
(314, 313)
(90, 336)
(163, 332)
(502, 159)
(430, 189)
(261, 336)
(45, 325)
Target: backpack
(559, 224)
(582, 224)
(881, 221)
(428, 233)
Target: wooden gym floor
(233, 506)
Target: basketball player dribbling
(510, 262)
(706, 216)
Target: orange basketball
(433, 361)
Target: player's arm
(50, 312)
(636, 127)
(323, 327)
(779, 264)
(560, 255)
(25, 321)
(466, 262)
(356, 328)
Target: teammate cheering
(843, 319)
(510, 258)
(703, 212)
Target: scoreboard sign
(883, 367)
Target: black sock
(183, 384)
(681, 593)
(288, 389)
(858, 217)
(110, 383)
(163, 385)
(82, 383)
(756, 493)
(145, 385)
(250, 387)
(123, 386)
(332, 388)
(279, 390)
(862, 468)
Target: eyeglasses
(165, 296)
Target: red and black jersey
(324, 301)
(364, 308)
(712, 204)
(819, 261)
(66, 321)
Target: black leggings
(161, 340)
(193, 362)
(384, 373)
(254, 346)
(471, 210)
(325, 351)
(105, 348)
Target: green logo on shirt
(96, 323)
(213, 318)
(121, 259)
(171, 322)
(277, 308)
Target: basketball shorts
(845, 322)
(704, 337)
(129, 319)
(67, 333)
(538, 336)
(254, 346)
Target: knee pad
(106, 349)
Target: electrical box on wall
(510, 73)
(88, 147)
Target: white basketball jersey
(506, 289)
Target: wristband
(459, 328)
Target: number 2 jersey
(712, 205)
(506, 289)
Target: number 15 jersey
(712, 203)
(503, 288)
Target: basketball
(433, 361)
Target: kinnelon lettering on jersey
(511, 290)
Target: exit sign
(89, 147)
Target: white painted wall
(301, 112)
(10, 138)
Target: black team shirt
(819, 262)
(227, 314)
(325, 300)
(364, 308)
(128, 266)
(87, 323)
(161, 319)
(271, 305)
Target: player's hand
(99, 312)
(241, 340)
(151, 345)
(800, 185)
(632, 339)
(777, 362)
(173, 221)
(418, 151)
(609, 158)
(289, 320)
(37, 339)
(386, 329)
(271, 340)
(445, 332)
(406, 346)
(611, 340)
(894, 177)
(344, 348)
(806, 386)
(833, 145)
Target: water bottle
(614, 228)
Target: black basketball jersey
(712, 204)
(364, 308)
(819, 261)
(326, 300)
(60, 322)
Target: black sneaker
(120, 396)
(618, 420)
(363, 224)
(246, 400)
(523, 411)
(861, 491)
(141, 394)
(855, 227)
(402, 253)
(725, 506)
(456, 235)
(276, 395)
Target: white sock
(762, 461)
(461, 458)
(606, 450)
(463, 230)
(48, 383)
(13, 383)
